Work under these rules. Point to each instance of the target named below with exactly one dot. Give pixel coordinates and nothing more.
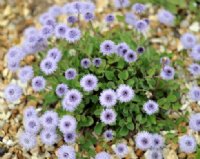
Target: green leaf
(123, 75)
(123, 131)
(109, 75)
(98, 128)
(198, 153)
(130, 126)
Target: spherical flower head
(108, 98)
(157, 141)
(46, 31)
(50, 21)
(70, 73)
(73, 35)
(12, 92)
(108, 135)
(130, 18)
(61, 30)
(70, 137)
(15, 54)
(165, 17)
(77, 7)
(130, 56)
(125, 93)
(122, 49)
(167, 73)
(155, 154)
(67, 9)
(48, 66)
(187, 144)
(85, 63)
(165, 61)
(138, 8)
(194, 69)
(32, 125)
(30, 30)
(49, 120)
(188, 40)
(140, 50)
(43, 17)
(195, 54)
(88, 16)
(143, 140)
(29, 112)
(96, 62)
(194, 93)
(72, 19)
(48, 137)
(61, 90)
(107, 47)
(89, 82)
(141, 26)
(121, 150)
(65, 152)
(38, 83)
(103, 155)
(25, 73)
(150, 107)
(194, 122)
(67, 124)
(108, 116)
(109, 18)
(54, 54)
(27, 140)
(13, 66)
(121, 3)
(55, 10)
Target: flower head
(138, 8)
(67, 124)
(125, 93)
(27, 140)
(107, 47)
(61, 90)
(96, 62)
(103, 155)
(48, 66)
(140, 50)
(29, 31)
(46, 31)
(48, 137)
(25, 73)
(89, 82)
(54, 54)
(122, 49)
(141, 26)
(72, 19)
(130, 56)
(32, 125)
(12, 92)
(150, 107)
(195, 54)
(70, 137)
(194, 93)
(187, 144)
(108, 116)
(73, 35)
(15, 54)
(165, 17)
(55, 10)
(121, 150)
(165, 61)
(121, 3)
(194, 69)
(88, 16)
(157, 141)
(188, 40)
(30, 112)
(194, 122)
(109, 18)
(49, 120)
(38, 83)
(70, 73)
(108, 98)
(167, 73)
(85, 63)
(155, 154)
(50, 21)
(61, 30)
(13, 66)
(108, 135)
(143, 140)
(130, 18)
(65, 152)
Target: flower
(167, 73)
(29, 112)
(157, 141)
(141, 26)
(187, 144)
(73, 35)
(89, 82)
(38, 83)
(48, 137)
(130, 56)
(25, 73)
(103, 155)
(194, 69)
(165, 61)
(85, 63)
(50, 21)
(138, 8)
(108, 135)
(61, 30)
(49, 120)
(27, 140)
(188, 40)
(121, 150)
(122, 49)
(12, 92)
(108, 116)
(70, 137)
(130, 18)
(43, 17)
(65, 152)
(194, 122)
(70, 73)
(195, 53)
(61, 90)
(96, 62)
(67, 123)
(55, 10)
(13, 66)
(72, 19)
(194, 93)
(109, 18)
(165, 17)
(48, 66)
(46, 31)
(121, 3)
(143, 140)
(150, 107)
(108, 98)
(140, 50)
(32, 125)
(107, 47)
(29, 31)
(54, 54)
(125, 93)
(15, 54)
(88, 16)
(155, 154)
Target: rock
(169, 154)
(3, 151)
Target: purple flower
(66, 152)
(194, 122)
(130, 56)
(165, 17)
(12, 92)
(88, 6)
(30, 112)
(48, 137)
(50, 21)
(195, 54)
(61, 30)
(150, 107)
(38, 83)
(157, 141)
(46, 31)
(85, 63)
(73, 35)
(138, 8)
(13, 66)
(108, 135)
(67, 124)
(103, 155)
(71, 100)
(70, 73)
(96, 62)
(30, 30)
(108, 116)
(77, 7)
(43, 17)
(167, 73)
(109, 18)
(107, 47)
(141, 26)
(54, 54)
(32, 125)
(143, 140)
(188, 40)
(72, 19)
(130, 18)
(121, 150)
(165, 61)
(89, 82)
(187, 144)
(67, 8)
(55, 10)
(122, 49)
(61, 90)
(108, 98)
(25, 73)
(140, 50)
(48, 66)
(155, 154)
(88, 16)
(27, 140)
(49, 120)
(194, 69)
(121, 3)
(194, 93)
(125, 93)
(70, 137)
(15, 54)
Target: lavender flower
(96, 62)
(30, 30)
(89, 82)
(77, 7)
(65, 152)
(88, 6)
(130, 18)
(167, 73)
(70, 137)
(155, 154)
(143, 140)
(194, 93)
(130, 56)
(61, 90)
(27, 140)
(138, 8)
(188, 40)
(25, 73)
(49, 120)
(54, 54)
(30, 112)
(141, 26)
(50, 21)
(165, 17)
(15, 54)
(67, 8)
(38, 83)
(43, 17)
(55, 10)
(121, 150)
(187, 144)
(70, 73)
(125, 93)
(122, 49)
(108, 98)
(103, 155)
(61, 30)
(67, 124)
(88, 16)
(140, 50)
(72, 19)
(46, 31)
(195, 54)
(165, 61)
(13, 66)
(107, 47)
(48, 66)
(194, 122)
(32, 125)
(109, 18)
(108, 116)
(85, 63)
(121, 3)
(150, 107)
(108, 135)
(48, 137)
(73, 35)
(157, 141)
(12, 92)
(194, 69)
